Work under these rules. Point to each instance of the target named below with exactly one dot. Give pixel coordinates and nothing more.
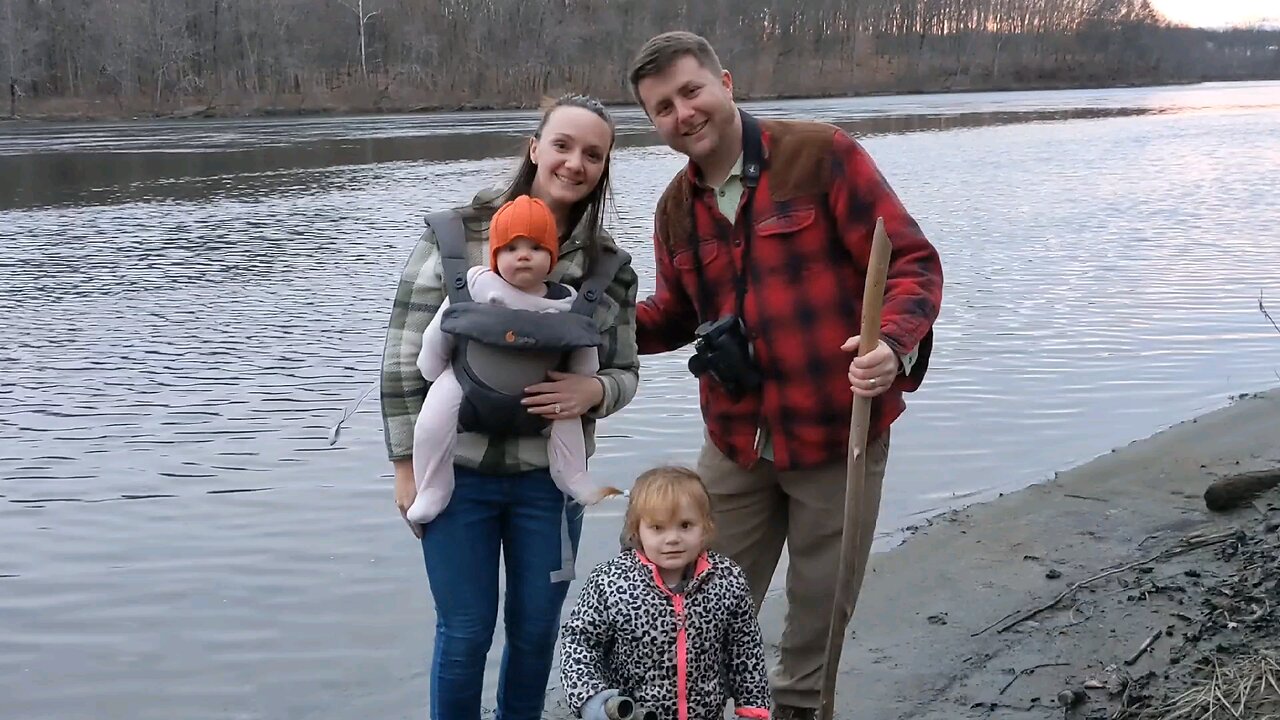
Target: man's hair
(663, 51)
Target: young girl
(667, 624)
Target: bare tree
(362, 19)
(251, 55)
(11, 55)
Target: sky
(1216, 13)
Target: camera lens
(697, 365)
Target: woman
(504, 499)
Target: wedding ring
(557, 408)
(872, 382)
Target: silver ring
(872, 382)
(557, 408)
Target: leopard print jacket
(684, 655)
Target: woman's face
(570, 154)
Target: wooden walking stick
(855, 493)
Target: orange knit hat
(523, 217)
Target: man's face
(691, 107)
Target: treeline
(121, 57)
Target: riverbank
(919, 649)
(348, 103)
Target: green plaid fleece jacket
(418, 298)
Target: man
(762, 244)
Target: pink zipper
(682, 661)
(682, 642)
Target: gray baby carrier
(499, 351)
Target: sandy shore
(913, 653)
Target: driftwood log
(1237, 490)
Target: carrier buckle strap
(451, 238)
(567, 556)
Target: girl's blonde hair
(656, 496)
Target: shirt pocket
(791, 242)
(708, 250)
(788, 222)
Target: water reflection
(196, 164)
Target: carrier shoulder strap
(451, 238)
(593, 288)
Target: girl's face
(675, 542)
(570, 154)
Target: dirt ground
(950, 623)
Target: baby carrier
(499, 351)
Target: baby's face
(524, 263)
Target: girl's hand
(565, 396)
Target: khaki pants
(756, 511)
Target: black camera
(720, 348)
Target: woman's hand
(406, 493)
(564, 397)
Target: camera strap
(752, 165)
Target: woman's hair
(593, 205)
(656, 496)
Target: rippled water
(188, 307)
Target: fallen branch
(1085, 497)
(1028, 671)
(1185, 545)
(1071, 621)
(1266, 314)
(1239, 490)
(1142, 650)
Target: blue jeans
(519, 516)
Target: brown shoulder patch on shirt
(799, 157)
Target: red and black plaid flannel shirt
(813, 215)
